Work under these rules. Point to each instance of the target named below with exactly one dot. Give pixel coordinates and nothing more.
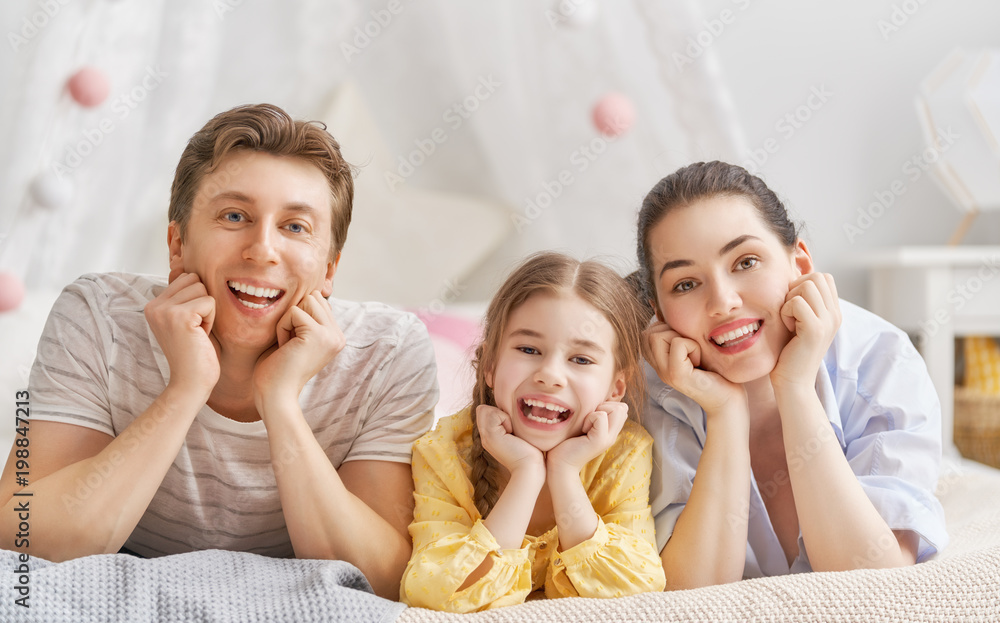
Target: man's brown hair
(268, 129)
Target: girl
(812, 424)
(543, 481)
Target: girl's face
(556, 365)
(721, 279)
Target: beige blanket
(961, 584)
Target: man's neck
(232, 396)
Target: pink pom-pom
(11, 292)
(89, 86)
(613, 115)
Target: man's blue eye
(234, 217)
(295, 228)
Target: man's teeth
(736, 333)
(267, 293)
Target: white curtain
(477, 99)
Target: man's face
(259, 238)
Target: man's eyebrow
(234, 195)
(726, 248)
(577, 343)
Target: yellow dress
(450, 540)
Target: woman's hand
(812, 313)
(676, 360)
(600, 430)
(496, 431)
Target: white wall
(774, 52)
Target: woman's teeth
(736, 333)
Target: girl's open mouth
(543, 412)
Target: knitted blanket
(961, 584)
(210, 585)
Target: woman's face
(721, 279)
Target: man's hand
(676, 360)
(181, 318)
(600, 430)
(308, 339)
(497, 434)
(812, 313)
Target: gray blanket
(210, 585)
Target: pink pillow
(454, 336)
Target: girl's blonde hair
(551, 272)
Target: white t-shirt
(99, 366)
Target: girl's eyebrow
(726, 248)
(577, 342)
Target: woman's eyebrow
(726, 248)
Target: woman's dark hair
(704, 180)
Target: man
(231, 406)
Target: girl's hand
(600, 430)
(676, 360)
(497, 435)
(812, 313)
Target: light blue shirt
(884, 411)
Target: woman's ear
(618, 388)
(801, 258)
(175, 249)
(656, 309)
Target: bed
(961, 583)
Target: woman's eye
(684, 286)
(748, 263)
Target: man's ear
(175, 248)
(802, 258)
(331, 270)
(618, 388)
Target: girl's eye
(583, 361)
(528, 350)
(747, 263)
(684, 286)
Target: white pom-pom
(50, 190)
